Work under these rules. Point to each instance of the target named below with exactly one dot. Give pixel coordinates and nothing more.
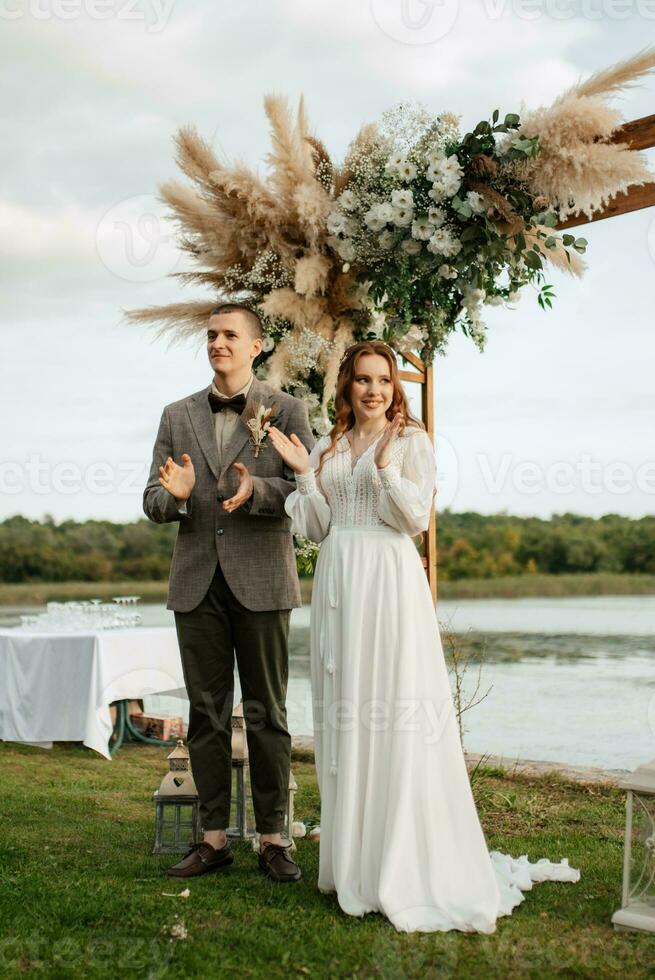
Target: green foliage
(90, 551)
(471, 545)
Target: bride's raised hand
(290, 449)
(383, 446)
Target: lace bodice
(399, 495)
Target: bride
(400, 833)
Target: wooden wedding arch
(639, 135)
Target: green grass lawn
(81, 893)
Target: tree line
(470, 545)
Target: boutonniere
(259, 420)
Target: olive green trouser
(208, 637)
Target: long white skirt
(400, 833)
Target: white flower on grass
(407, 171)
(267, 343)
(411, 246)
(402, 198)
(476, 201)
(347, 200)
(403, 216)
(422, 229)
(436, 216)
(385, 240)
(447, 272)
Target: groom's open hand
(178, 480)
(244, 490)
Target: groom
(233, 583)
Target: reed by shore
(509, 587)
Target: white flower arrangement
(407, 238)
(417, 224)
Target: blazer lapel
(202, 419)
(259, 394)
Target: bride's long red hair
(344, 414)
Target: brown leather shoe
(275, 861)
(200, 859)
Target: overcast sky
(556, 415)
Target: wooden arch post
(424, 375)
(639, 135)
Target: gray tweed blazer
(253, 544)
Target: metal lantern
(242, 814)
(288, 816)
(177, 817)
(638, 911)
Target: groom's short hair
(253, 320)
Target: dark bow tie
(236, 403)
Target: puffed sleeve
(306, 506)
(408, 489)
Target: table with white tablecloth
(58, 686)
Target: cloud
(29, 234)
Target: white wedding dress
(400, 833)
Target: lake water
(569, 679)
